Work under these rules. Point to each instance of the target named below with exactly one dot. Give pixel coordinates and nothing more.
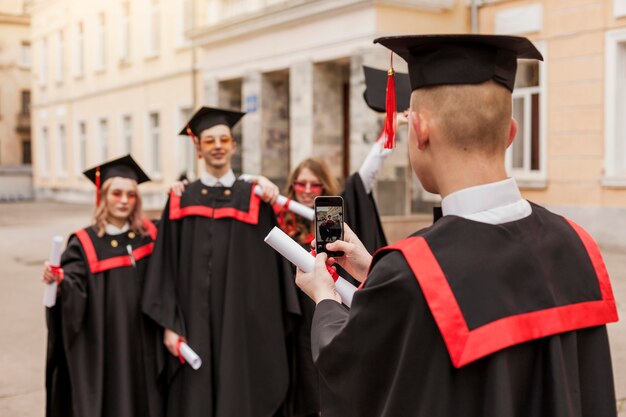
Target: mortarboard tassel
(98, 186)
(390, 107)
(191, 135)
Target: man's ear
(422, 131)
(512, 131)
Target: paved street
(26, 230)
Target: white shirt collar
(114, 230)
(227, 180)
(494, 203)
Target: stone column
(251, 151)
(300, 112)
(275, 126)
(210, 93)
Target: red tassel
(191, 135)
(390, 107)
(97, 186)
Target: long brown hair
(320, 169)
(135, 219)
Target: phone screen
(328, 222)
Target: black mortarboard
(124, 167)
(461, 59)
(376, 87)
(208, 117)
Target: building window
(43, 65)
(101, 42)
(79, 58)
(127, 134)
(25, 55)
(526, 156)
(25, 104)
(154, 28)
(103, 136)
(45, 152)
(26, 152)
(61, 152)
(615, 107)
(186, 148)
(125, 31)
(60, 67)
(81, 160)
(154, 136)
(619, 8)
(185, 18)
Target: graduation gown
(215, 282)
(361, 214)
(467, 318)
(102, 351)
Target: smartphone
(328, 223)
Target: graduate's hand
(49, 276)
(178, 187)
(170, 340)
(318, 285)
(270, 190)
(356, 259)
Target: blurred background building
(116, 76)
(15, 78)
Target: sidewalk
(26, 230)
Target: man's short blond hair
(474, 117)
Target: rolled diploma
(297, 255)
(50, 291)
(190, 356)
(294, 206)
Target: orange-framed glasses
(210, 142)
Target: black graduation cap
(208, 117)
(461, 59)
(124, 167)
(376, 87)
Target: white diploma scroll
(297, 255)
(50, 292)
(294, 206)
(190, 356)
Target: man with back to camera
(499, 308)
(213, 284)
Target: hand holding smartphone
(328, 223)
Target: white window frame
(103, 140)
(26, 55)
(60, 63)
(43, 65)
(61, 151)
(79, 50)
(125, 32)
(525, 177)
(153, 25)
(81, 148)
(185, 22)
(126, 133)
(45, 152)
(615, 58)
(154, 155)
(101, 42)
(619, 8)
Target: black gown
(472, 319)
(214, 281)
(361, 214)
(102, 351)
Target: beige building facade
(15, 132)
(570, 153)
(110, 78)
